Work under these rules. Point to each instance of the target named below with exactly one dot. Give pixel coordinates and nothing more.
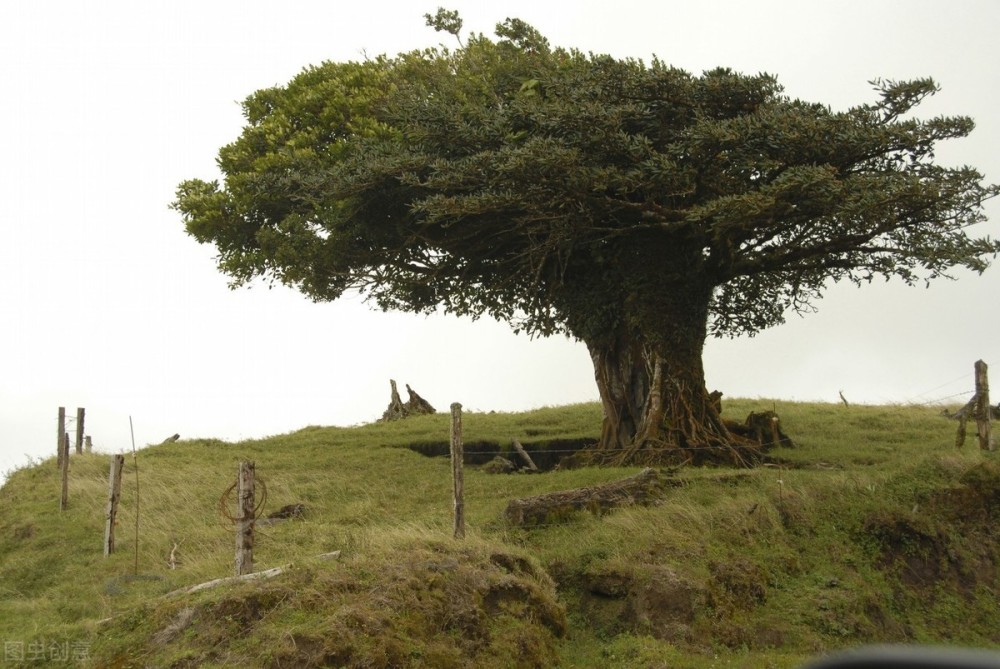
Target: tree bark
(417, 404)
(624, 379)
(656, 405)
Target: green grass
(873, 529)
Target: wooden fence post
(88, 444)
(246, 502)
(983, 409)
(60, 431)
(457, 456)
(79, 430)
(114, 494)
(64, 468)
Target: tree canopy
(632, 205)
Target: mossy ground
(874, 529)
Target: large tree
(636, 207)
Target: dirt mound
(430, 605)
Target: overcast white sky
(107, 304)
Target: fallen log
(643, 489)
(267, 573)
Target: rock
(499, 465)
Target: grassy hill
(873, 529)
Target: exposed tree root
(687, 429)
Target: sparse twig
(172, 560)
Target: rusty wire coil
(224, 500)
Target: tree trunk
(656, 406)
(624, 375)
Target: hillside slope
(873, 529)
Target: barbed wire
(916, 400)
(963, 377)
(939, 400)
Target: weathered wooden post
(64, 468)
(982, 410)
(457, 456)
(114, 494)
(245, 503)
(79, 430)
(60, 431)
(960, 435)
(88, 444)
(524, 456)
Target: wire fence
(920, 398)
(574, 446)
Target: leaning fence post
(114, 494)
(983, 410)
(245, 500)
(457, 457)
(79, 430)
(524, 456)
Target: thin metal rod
(135, 463)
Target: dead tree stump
(763, 427)
(766, 429)
(643, 489)
(415, 405)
